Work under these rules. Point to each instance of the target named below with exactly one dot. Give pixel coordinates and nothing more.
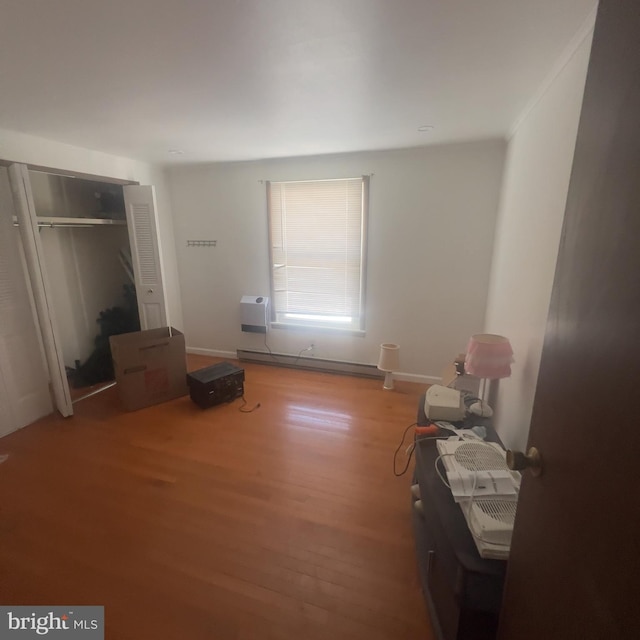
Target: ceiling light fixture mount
(176, 152)
(425, 128)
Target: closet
(85, 245)
(91, 260)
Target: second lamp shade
(489, 356)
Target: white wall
(86, 278)
(538, 168)
(431, 224)
(18, 147)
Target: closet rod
(53, 225)
(59, 221)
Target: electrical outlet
(308, 351)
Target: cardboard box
(150, 366)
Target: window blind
(317, 251)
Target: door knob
(149, 290)
(519, 461)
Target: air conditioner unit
(486, 489)
(253, 314)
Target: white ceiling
(246, 79)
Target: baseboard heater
(311, 364)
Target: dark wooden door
(574, 570)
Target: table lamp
(389, 362)
(488, 357)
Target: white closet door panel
(142, 221)
(25, 211)
(24, 387)
(7, 419)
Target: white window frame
(301, 320)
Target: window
(317, 232)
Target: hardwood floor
(284, 523)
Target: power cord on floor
(242, 409)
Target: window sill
(316, 328)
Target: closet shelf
(55, 221)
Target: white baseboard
(233, 355)
(417, 377)
(215, 353)
(309, 363)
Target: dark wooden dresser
(462, 590)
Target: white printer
(443, 403)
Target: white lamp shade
(389, 357)
(488, 356)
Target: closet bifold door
(24, 383)
(142, 222)
(34, 257)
